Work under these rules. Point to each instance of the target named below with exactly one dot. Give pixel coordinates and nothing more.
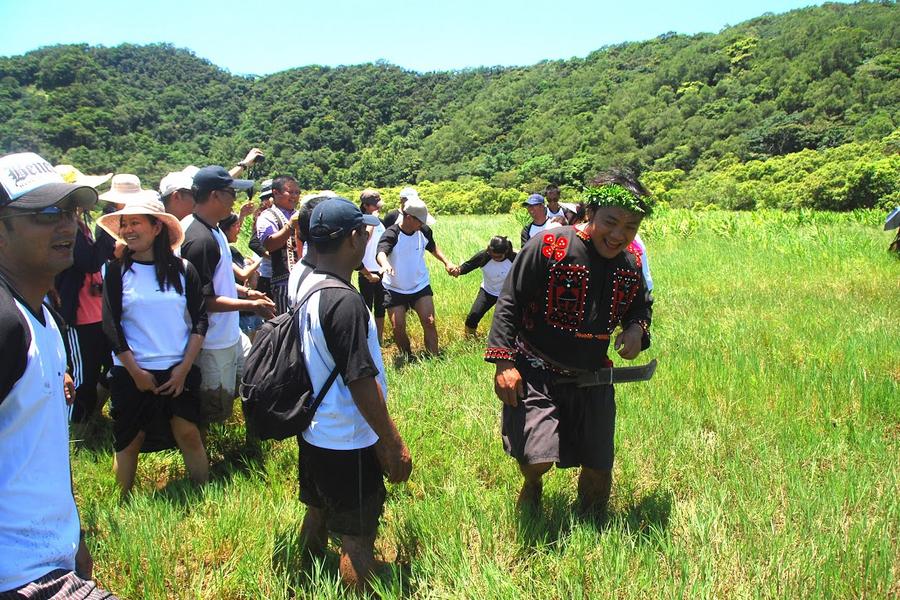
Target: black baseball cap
(29, 181)
(215, 177)
(336, 218)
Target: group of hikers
(156, 309)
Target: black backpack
(276, 393)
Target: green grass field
(763, 460)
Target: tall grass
(761, 461)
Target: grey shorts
(560, 423)
(220, 371)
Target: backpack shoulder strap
(322, 285)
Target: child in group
(155, 318)
(495, 261)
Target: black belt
(612, 375)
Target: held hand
(84, 562)
(395, 459)
(69, 389)
(175, 385)
(508, 383)
(628, 342)
(264, 307)
(371, 277)
(255, 294)
(388, 270)
(144, 380)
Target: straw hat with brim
(72, 175)
(27, 181)
(126, 188)
(144, 206)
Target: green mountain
(814, 78)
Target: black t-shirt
(345, 326)
(201, 249)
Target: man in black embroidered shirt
(568, 291)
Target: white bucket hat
(126, 188)
(143, 206)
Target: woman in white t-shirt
(155, 318)
(495, 261)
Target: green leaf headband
(613, 194)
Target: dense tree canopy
(811, 79)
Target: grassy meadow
(763, 459)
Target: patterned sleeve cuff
(493, 354)
(645, 336)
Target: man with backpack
(352, 440)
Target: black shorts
(392, 299)
(373, 295)
(134, 411)
(560, 423)
(347, 485)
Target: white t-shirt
(39, 526)
(369, 261)
(493, 274)
(406, 253)
(156, 324)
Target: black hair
(280, 182)
(169, 268)
(201, 196)
(500, 244)
(304, 214)
(621, 176)
(228, 221)
(550, 187)
(625, 178)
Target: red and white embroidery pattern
(626, 284)
(566, 291)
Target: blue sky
(265, 36)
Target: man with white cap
(206, 247)
(407, 283)
(43, 549)
(176, 193)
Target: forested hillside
(815, 79)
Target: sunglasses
(50, 215)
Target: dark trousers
(373, 296)
(483, 303)
(90, 356)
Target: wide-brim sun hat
(126, 188)
(72, 175)
(145, 206)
